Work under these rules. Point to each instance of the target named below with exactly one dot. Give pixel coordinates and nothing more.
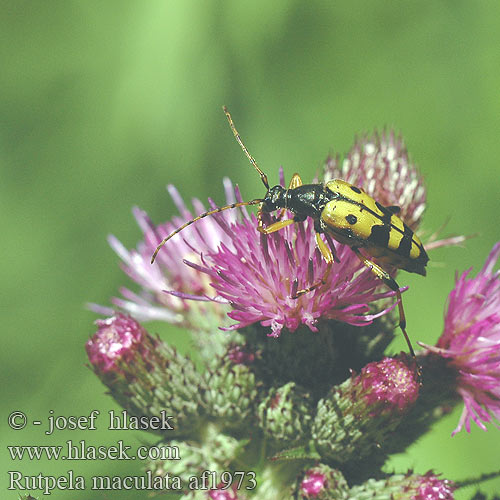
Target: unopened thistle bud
(322, 483)
(285, 414)
(363, 412)
(404, 487)
(231, 387)
(145, 375)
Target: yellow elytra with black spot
(356, 219)
(344, 212)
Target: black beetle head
(275, 199)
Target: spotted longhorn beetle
(344, 212)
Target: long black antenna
(204, 214)
(263, 177)
(237, 136)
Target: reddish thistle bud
(360, 414)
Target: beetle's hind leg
(391, 283)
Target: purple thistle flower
(380, 165)
(258, 275)
(230, 263)
(322, 482)
(145, 375)
(367, 407)
(471, 343)
(232, 268)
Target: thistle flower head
(117, 338)
(259, 274)
(285, 414)
(145, 375)
(471, 343)
(380, 165)
(232, 388)
(232, 268)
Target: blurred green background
(104, 103)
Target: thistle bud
(322, 483)
(232, 388)
(145, 375)
(404, 487)
(363, 412)
(285, 414)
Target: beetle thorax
(307, 200)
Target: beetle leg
(391, 283)
(330, 258)
(295, 181)
(275, 226)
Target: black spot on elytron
(351, 219)
(379, 235)
(356, 190)
(404, 246)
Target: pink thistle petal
(471, 343)
(169, 273)
(446, 242)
